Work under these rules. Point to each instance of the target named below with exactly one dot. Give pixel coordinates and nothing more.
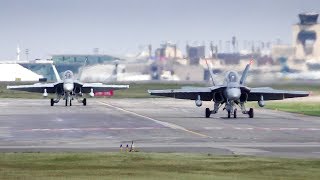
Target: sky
(119, 27)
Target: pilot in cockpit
(232, 77)
(67, 75)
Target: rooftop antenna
(27, 54)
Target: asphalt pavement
(154, 125)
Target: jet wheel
(235, 113)
(208, 112)
(51, 102)
(66, 101)
(250, 112)
(84, 101)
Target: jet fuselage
(232, 92)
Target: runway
(155, 125)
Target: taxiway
(155, 125)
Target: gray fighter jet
(231, 94)
(68, 88)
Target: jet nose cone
(68, 87)
(233, 93)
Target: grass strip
(307, 108)
(152, 166)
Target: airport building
(304, 52)
(195, 53)
(81, 58)
(15, 72)
(306, 37)
(73, 62)
(168, 51)
(36, 69)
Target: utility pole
(150, 51)
(212, 49)
(18, 53)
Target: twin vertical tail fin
(211, 73)
(81, 69)
(245, 72)
(56, 72)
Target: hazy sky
(122, 26)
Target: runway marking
(213, 128)
(59, 119)
(313, 129)
(86, 129)
(166, 124)
(263, 128)
(289, 129)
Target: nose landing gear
(68, 99)
(234, 113)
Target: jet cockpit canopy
(232, 77)
(68, 74)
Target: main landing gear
(208, 112)
(250, 113)
(68, 100)
(53, 101)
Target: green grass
(313, 88)
(152, 166)
(307, 108)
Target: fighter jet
(68, 88)
(232, 94)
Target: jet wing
(99, 87)
(37, 88)
(273, 94)
(206, 93)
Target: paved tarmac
(154, 125)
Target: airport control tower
(306, 37)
